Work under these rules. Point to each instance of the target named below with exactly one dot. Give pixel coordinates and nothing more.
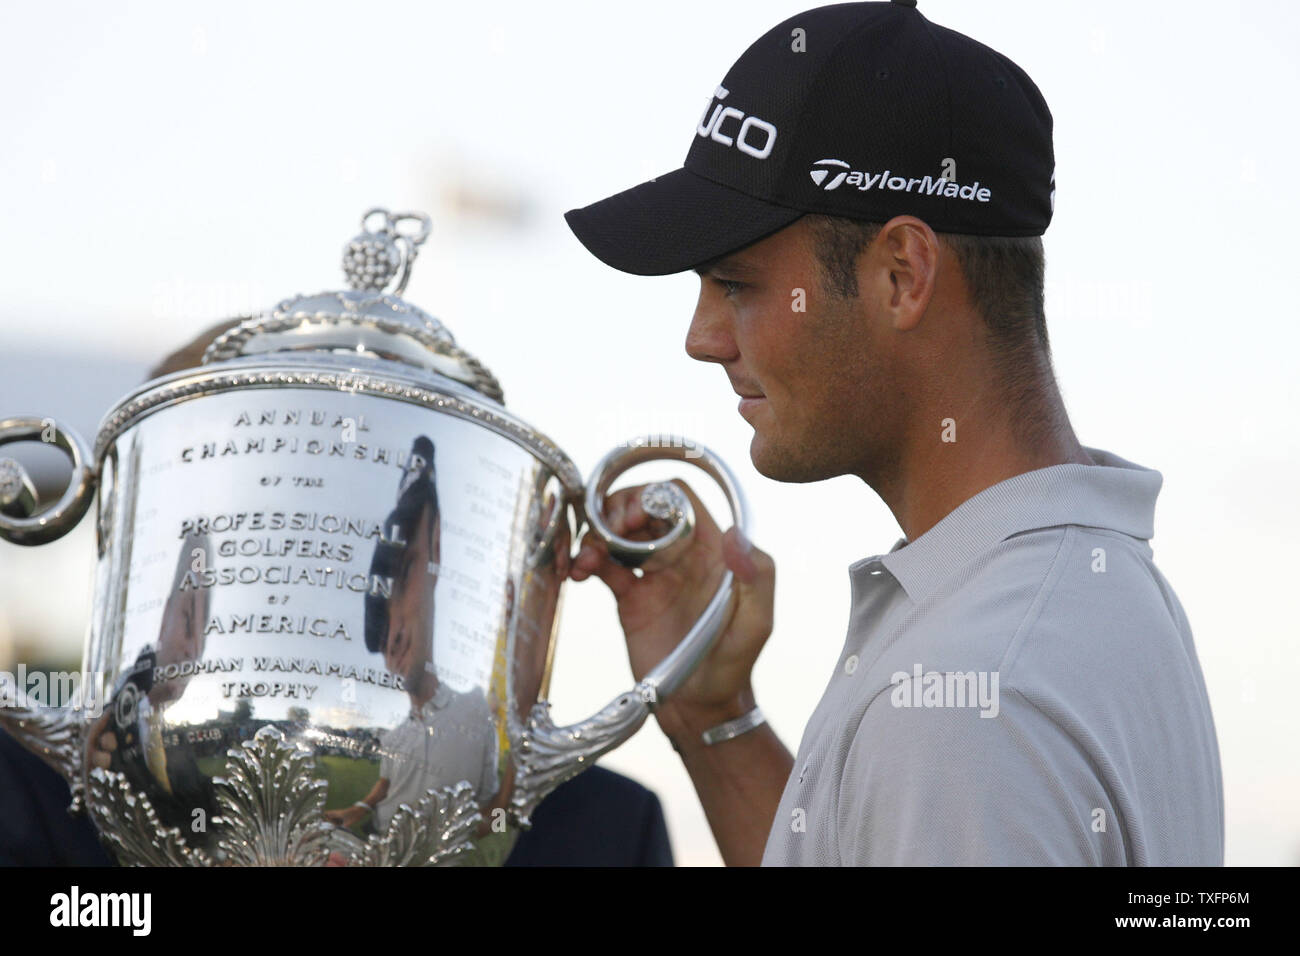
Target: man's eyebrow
(732, 263)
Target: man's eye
(729, 286)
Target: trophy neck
(356, 323)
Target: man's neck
(424, 692)
(942, 467)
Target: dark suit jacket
(599, 818)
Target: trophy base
(272, 814)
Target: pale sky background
(167, 165)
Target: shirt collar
(1114, 494)
(440, 699)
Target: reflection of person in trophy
(129, 737)
(448, 736)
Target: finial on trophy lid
(368, 319)
(372, 259)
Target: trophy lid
(368, 319)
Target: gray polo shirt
(453, 738)
(1018, 686)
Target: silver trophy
(329, 568)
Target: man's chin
(772, 461)
(781, 463)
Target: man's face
(410, 610)
(816, 385)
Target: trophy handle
(19, 523)
(548, 755)
(55, 734)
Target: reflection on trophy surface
(448, 736)
(128, 738)
(330, 564)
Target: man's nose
(709, 338)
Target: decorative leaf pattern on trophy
(271, 805)
(433, 833)
(53, 734)
(130, 824)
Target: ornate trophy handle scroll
(18, 523)
(667, 501)
(17, 493)
(541, 550)
(548, 755)
(54, 734)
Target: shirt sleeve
(945, 786)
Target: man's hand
(659, 607)
(346, 817)
(102, 742)
(739, 781)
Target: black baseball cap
(860, 110)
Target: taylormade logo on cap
(823, 168)
(833, 173)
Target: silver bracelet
(364, 806)
(734, 728)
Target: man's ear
(905, 269)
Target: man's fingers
(593, 558)
(626, 518)
(755, 585)
(703, 519)
(592, 553)
(624, 514)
